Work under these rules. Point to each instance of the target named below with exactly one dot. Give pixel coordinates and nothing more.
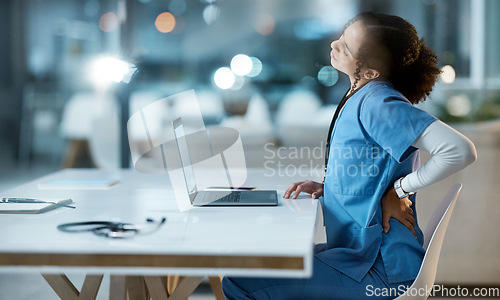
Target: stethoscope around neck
(346, 97)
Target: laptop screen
(182, 145)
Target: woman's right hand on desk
(311, 187)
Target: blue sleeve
(393, 123)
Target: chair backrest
(433, 241)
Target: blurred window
(448, 29)
(492, 39)
(463, 33)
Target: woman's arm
(450, 152)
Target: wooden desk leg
(90, 287)
(136, 288)
(172, 283)
(62, 286)
(216, 285)
(157, 287)
(65, 289)
(185, 287)
(117, 288)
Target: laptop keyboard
(223, 197)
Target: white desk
(206, 241)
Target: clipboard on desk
(36, 206)
(77, 184)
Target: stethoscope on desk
(113, 229)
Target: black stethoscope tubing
(332, 125)
(105, 228)
(113, 226)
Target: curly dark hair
(392, 47)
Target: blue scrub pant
(326, 283)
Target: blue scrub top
(371, 148)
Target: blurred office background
(260, 66)
(73, 71)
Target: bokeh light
(265, 24)
(256, 67)
(241, 64)
(224, 78)
(107, 69)
(448, 74)
(211, 14)
(328, 76)
(459, 105)
(108, 22)
(165, 22)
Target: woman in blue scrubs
(372, 167)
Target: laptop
(216, 197)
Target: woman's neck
(356, 85)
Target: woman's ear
(371, 74)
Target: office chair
(433, 240)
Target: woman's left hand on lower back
(399, 209)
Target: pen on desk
(30, 200)
(247, 188)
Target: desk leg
(216, 285)
(136, 288)
(185, 287)
(117, 288)
(157, 287)
(65, 289)
(90, 287)
(62, 286)
(172, 282)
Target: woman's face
(344, 49)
